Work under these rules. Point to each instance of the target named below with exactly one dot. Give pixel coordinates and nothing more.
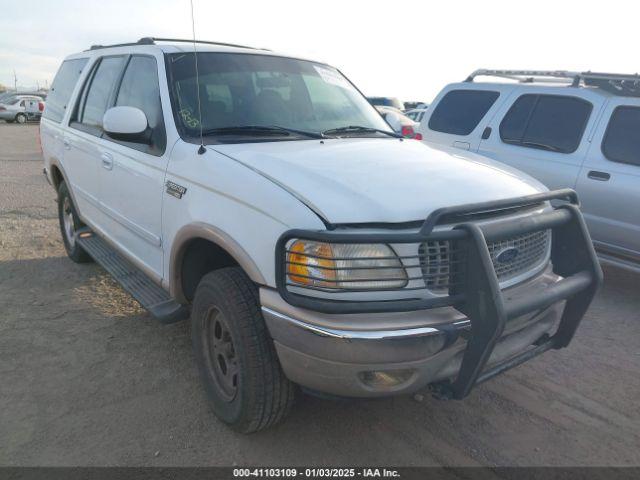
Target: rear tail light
(418, 136)
(41, 106)
(407, 131)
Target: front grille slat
(437, 259)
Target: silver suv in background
(567, 129)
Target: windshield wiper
(541, 146)
(359, 129)
(259, 129)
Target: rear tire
(21, 118)
(69, 224)
(236, 357)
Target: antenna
(201, 149)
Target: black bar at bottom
(562, 290)
(514, 361)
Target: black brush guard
(479, 297)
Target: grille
(442, 265)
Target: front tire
(236, 357)
(69, 224)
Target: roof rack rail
(616, 83)
(153, 40)
(528, 76)
(142, 41)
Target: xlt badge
(176, 190)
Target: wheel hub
(67, 220)
(222, 359)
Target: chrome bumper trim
(366, 335)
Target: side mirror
(128, 124)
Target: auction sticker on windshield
(332, 77)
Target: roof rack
(616, 83)
(153, 40)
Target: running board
(150, 295)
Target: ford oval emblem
(507, 255)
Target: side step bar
(151, 296)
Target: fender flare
(208, 232)
(56, 163)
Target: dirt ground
(88, 378)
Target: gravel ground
(88, 378)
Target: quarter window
(140, 89)
(547, 122)
(621, 142)
(62, 88)
(460, 111)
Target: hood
(363, 180)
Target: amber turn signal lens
(311, 263)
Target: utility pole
(15, 81)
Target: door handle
(107, 161)
(66, 143)
(462, 145)
(596, 175)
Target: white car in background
(400, 122)
(416, 114)
(21, 108)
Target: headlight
(344, 265)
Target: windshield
(239, 90)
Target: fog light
(386, 379)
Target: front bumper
(482, 331)
(336, 354)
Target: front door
(132, 174)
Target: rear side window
(62, 88)
(460, 111)
(547, 122)
(622, 140)
(140, 89)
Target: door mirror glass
(127, 124)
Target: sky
(409, 49)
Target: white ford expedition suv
(264, 197)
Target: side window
(62, 88)
(460, 111)
(547, 122)
(97, 95)
(99, 92)
(621, 142)
(140, 88)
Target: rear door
(82, 138)
(609, 181)
(132, 174)
(460, 114)
(541, 132)
(31, 106)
